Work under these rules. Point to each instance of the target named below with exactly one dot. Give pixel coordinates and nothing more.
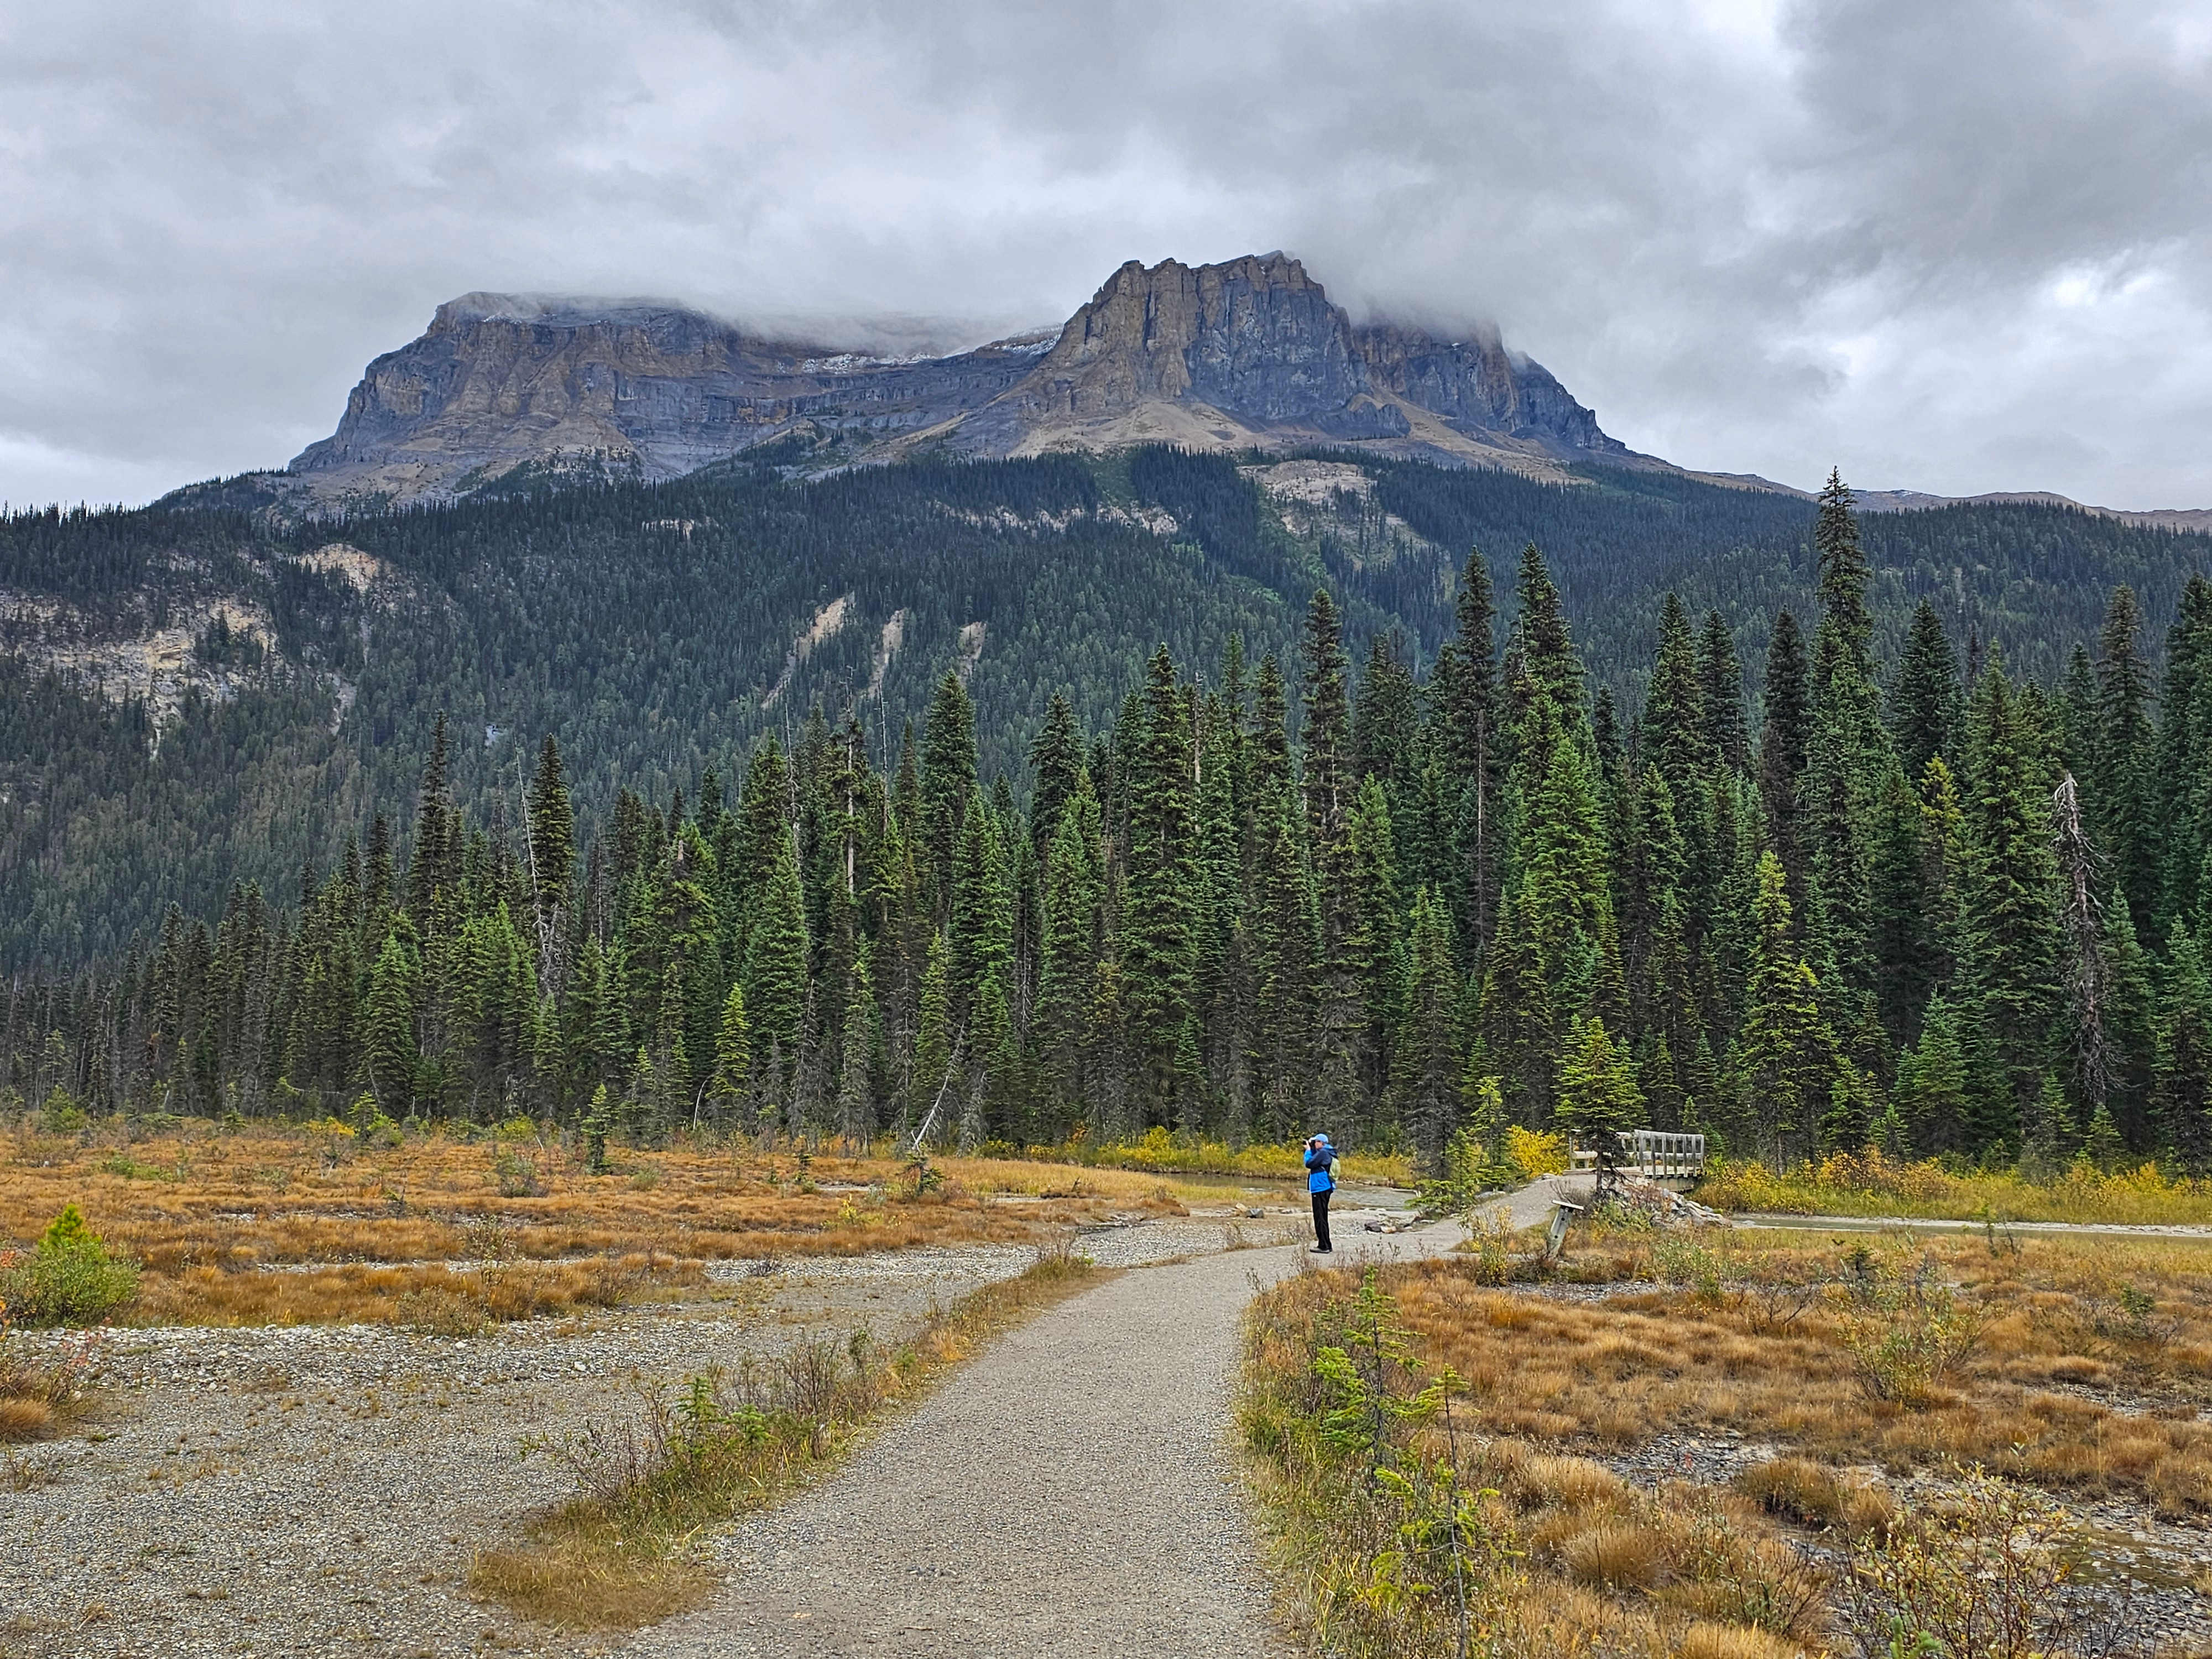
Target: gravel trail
(1068, 1492)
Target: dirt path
(1069, 1491)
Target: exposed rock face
(1250, 353)
(1479, 387)
(501, 379)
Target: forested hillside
(1944, 914)
(654, 631)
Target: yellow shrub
(1535, 1154)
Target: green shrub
(70, 1279)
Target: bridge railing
(1658, 1154)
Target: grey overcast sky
(1960, 247)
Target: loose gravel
(318, 1489)
(1069, 1491)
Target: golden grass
(2093, 1357)
(203, 1212)
(2058, 1329)
(1556, 1553)
(1868, 1184)
(620, 1556)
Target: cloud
(1956, 248)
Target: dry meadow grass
(2080, 1374)
(276, 1225)
(2090, 1360)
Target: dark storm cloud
(1960, 247)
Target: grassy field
(2047, 1372)
(1868, 1184)
(311, 1225)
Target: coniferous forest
(1875, 893)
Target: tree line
(1945, 913)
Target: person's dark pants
(1321, 1221)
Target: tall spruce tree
(1924, 703)
(1158, 912)
(2125, 794)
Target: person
(1320, 1182)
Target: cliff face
(498, 380)
(1248, 353)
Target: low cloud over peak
(1960, 248)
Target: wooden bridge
(1655, 1154)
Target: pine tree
(427, 870)
(1157, 910)
(2010, 905)
(1923, 703)
(1074, 877)
(2122, 790)
(1474, 755)
(1677, 735)
(2184, 1099)
(1720, 677)
(389, 1052)
(1785, 1057)
(552, 859)
(774, 979)
(2184, 796)
(1901, 908)
(731, 1084)
(1548, 651)
(948, 780)
(1426, 1065)
(1056, 758)
(856, 1094)
(982, 919)
(1282, 947)
(1843, 584)
(1931, 1093)
(1600, 1102)
(1785, 741)
(931, 1076)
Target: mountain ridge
(1246, 354)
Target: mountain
(191, 696)
(1250, 353)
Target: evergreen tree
(2123, 788)
(2184, 771)
(731, 1084)
(1923, 703)
(1074, 877)
(934, 1057)
(1159, 913)
(1720, 678)
(389, 1053)
(2184, 1099)
(1785, 741)
(1785, 1058)
(1056, 758)
(1600, 1102)
(1427, 1066)
(1677, 733)
(774, 978)
(552, 857)
(948, 780)
(2009, 906)
(1474, 755)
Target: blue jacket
(1321, 1175)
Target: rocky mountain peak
(1250, 352)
